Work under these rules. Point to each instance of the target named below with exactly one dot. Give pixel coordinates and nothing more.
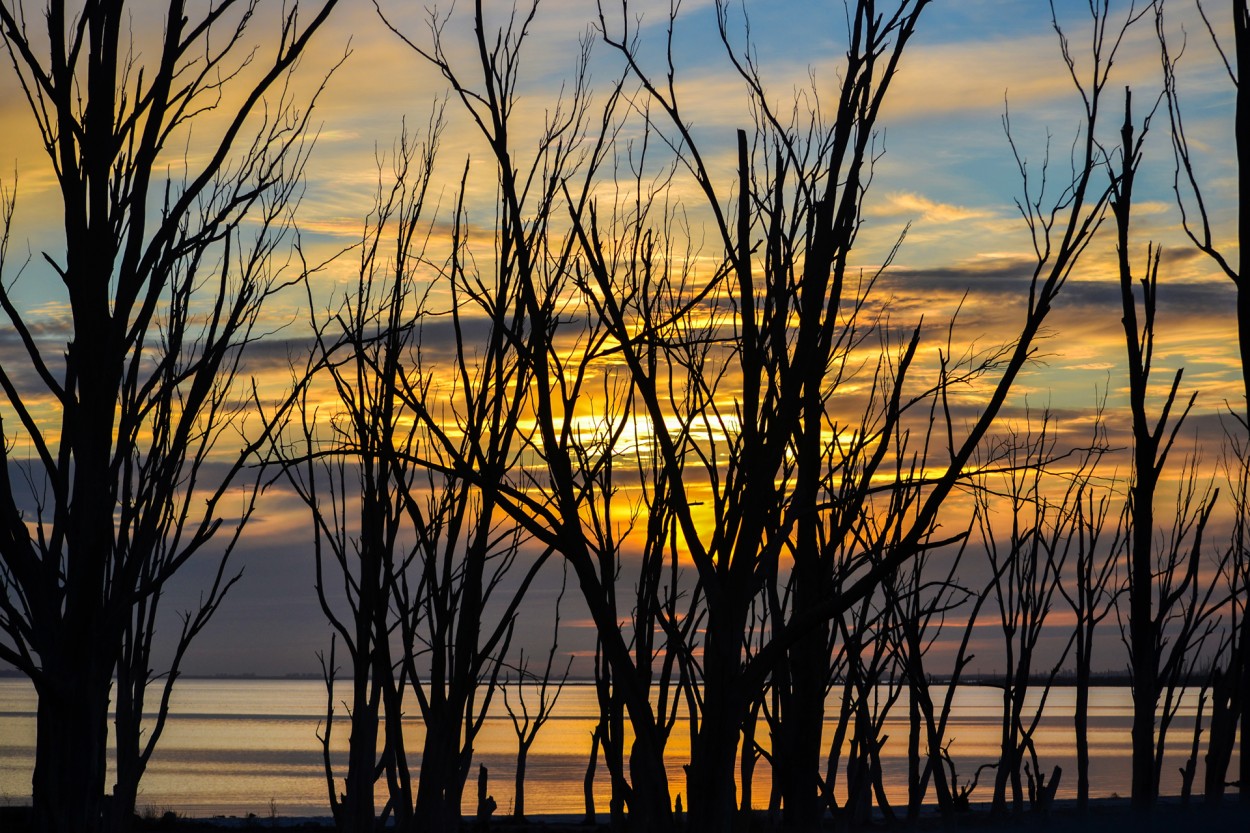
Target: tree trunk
(518, 798)
(802, 721)
(1080, 724)
(710, 785)
(915, 789)
(714, 750)
(443, 772)
(1142, 639)
(588, 782)
(749, 757)
(71, 750)
(357, 809)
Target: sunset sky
(948, 170)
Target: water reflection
(232, 746)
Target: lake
(233, 746)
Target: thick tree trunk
(71, 750)
(357, 809)
(714, 750)
(443, 772)
(710, 784)
(80, 647)
(803, 719)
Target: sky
(947, 170)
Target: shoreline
(1167, 815)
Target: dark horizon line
(992, 679)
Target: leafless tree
(528, 718)
(1197, 221)
(164, 276)
(1169, 601)
(801, 192)
(1091, 589)
(729, 377)
(567, 508)
(1027, 564)
(1227, 697)
(348, 471)
(923, 602)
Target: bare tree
(352, 450)
(730, 374)
(1169, 600)
(1227, 693)
(558, 345)
(923, 604)
(1197, 221)
(802, 196)
(1027, 565)
(164, 277)
(1091, 591)
(528, 718)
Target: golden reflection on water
(232, 746)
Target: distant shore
(1168, 816)
(991, 679)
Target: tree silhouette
(527, 717)
(788, 502)
(1169, 600)
(165, 268)
(1200, 226)
(353, 480)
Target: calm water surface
(232, 746)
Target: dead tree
(431, 569)
(165, 267)
(1197, 221)
(527, 723)
(1091, 590)
(790, 304)
(1027, 564)
(535, 265)
(922, 604)
(1170, 606)
(458, 603)
(1227, 693)
(348, 472)
(677, 364)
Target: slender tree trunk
(1080, 723)
(915, 789)
(749, 758)
(1241, 34)
(518, 800)
(934, 768)
(588, 781)
(1142, 639)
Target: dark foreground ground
(1104, 816)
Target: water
(231, 747)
